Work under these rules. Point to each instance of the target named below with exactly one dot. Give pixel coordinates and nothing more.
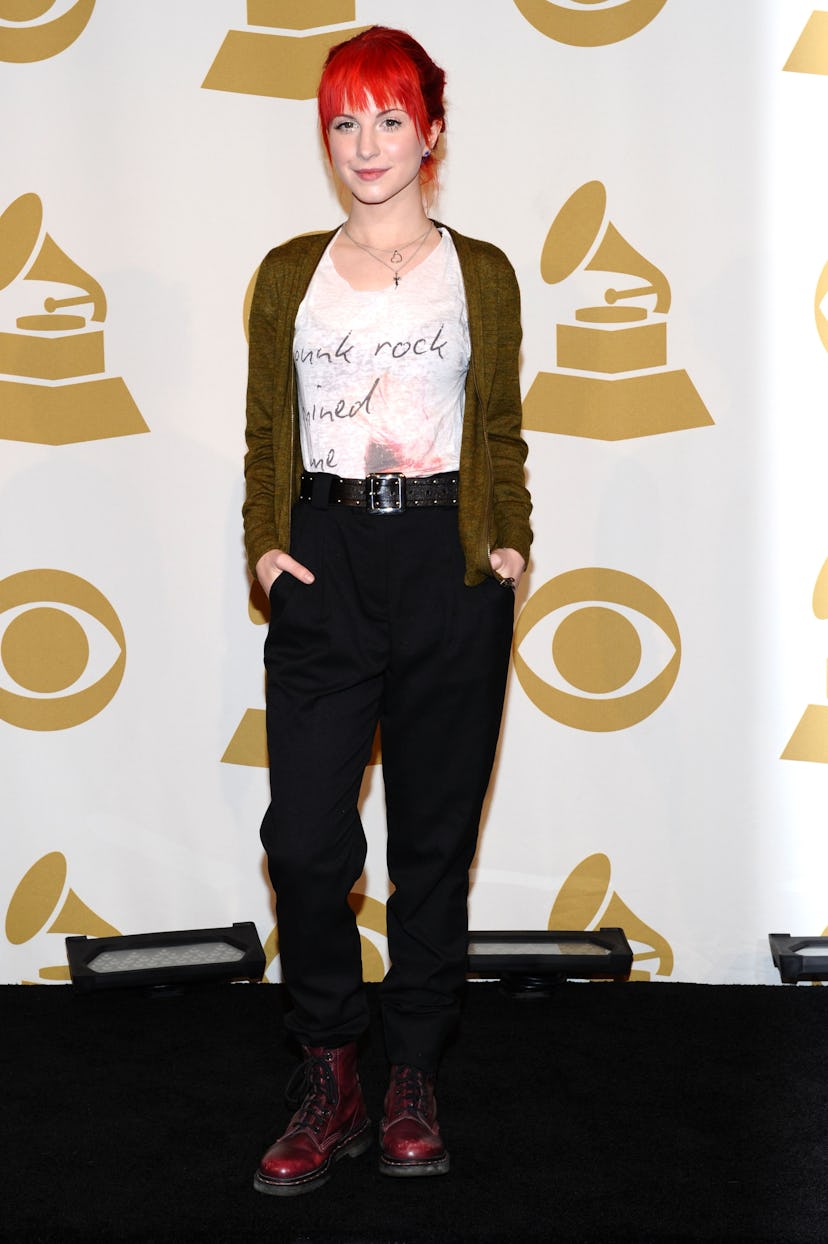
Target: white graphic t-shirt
(381, 374)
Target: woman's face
(377, 153)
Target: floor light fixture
(166, 959)
(799, 958)
(530, 962)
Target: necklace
(395, 262)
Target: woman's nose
(366, 145)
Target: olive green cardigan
(493, 503)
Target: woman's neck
(385, 229)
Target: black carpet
(607, 1113)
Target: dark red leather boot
(331, 1123)
(410, 1138)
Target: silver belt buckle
(386, 492)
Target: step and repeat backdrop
(655, 171)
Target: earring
(426, 153)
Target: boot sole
(309, 1183)
(411, 1170)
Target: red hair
(390, 68)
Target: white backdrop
(152, 153)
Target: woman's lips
(370, 174)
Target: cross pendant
(396, 279)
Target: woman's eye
(343, 125)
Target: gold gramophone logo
(612, 381)
(44, 903)
(62, 650)
(819, 314)
(373, 933)
(597, 649)
(809, 740)
(810, 53)
(248, 746)
(53, 390)
(284, 58)
(585, 902)
(25, 38)
(589, 23)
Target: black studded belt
(383, 492)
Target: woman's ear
(432, 134)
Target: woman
(386, 516)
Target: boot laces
(312, 1088)
(410, 1090)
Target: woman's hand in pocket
(275, 562)
(507, 565)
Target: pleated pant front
(387, 633)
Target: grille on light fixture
(531, 961)
(156, 959)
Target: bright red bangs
(389, 68)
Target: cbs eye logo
(573, 23)
(23, 38)
(587, 666)
(57, 632)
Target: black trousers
(388, 632)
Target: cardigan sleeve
(512, 504)
(258, 509)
